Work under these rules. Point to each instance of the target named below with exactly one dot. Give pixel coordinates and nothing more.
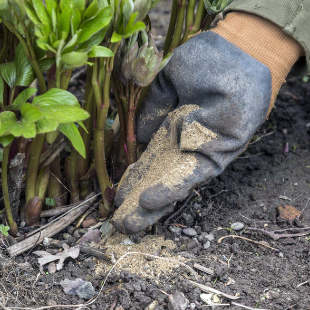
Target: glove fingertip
(153, 198)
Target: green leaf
(7, 121)
(50, 202)
(46, 63)
(24, 129)
(79, 4)
(24, 96)
(30, 113)
(1, 90)
(71, 44)
(24, 71)
(63, 113)
(65, 22)
(100, 51)
(50, 6)
(61, 106)
(91, 10)
(6, 140)
(46, 125)
(131, 27)
(116, 37)
(89, 28)
(41, 11)
(8, 73)
(81, 124)
(3, 4)
(96, 39)
(75, 59)
(32, 14)
(72, 133)
(75, 21)
(52, 136)
(56, 96)
(4, 230)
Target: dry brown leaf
(288, 213)
(46, 258)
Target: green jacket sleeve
(293, 16)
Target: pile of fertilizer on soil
(151, 258)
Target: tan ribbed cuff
(264, 41)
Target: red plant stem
(33, 165)
(134, 95)
(54, 187)
(71, 171)
(83, 164)
(5, 190)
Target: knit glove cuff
(264, 41)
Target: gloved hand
(204, 107)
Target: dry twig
(208, 289)
(278, 234)
(250, 240)
(208, 271)
(245, 307)
(51, 228)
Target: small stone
(200, 238)
(273, 294)
(206, 245)
(190, 232)
(152, 305)
(198, 229)
(281, 255)
(93, 235)
(175, 230)
(205, 227)
(51, 302)
(235, 248)
(71, 229)
(127, 241)
(107, 229)
(177, 301)
(52, 268)
(237, 226)
(89, 222)
(66, 236)
(206, 298)
(188, 219)
(76, 234)
(79, 287)
(192, 244)
(192, 306)
(206, 236)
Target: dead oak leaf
(288, 213)
(46, 258)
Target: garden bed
(273, 172)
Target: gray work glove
(204, 107)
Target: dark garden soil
(273, 172)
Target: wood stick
(57, 211)
(208, 271)
(55, 227)
(208, 289)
